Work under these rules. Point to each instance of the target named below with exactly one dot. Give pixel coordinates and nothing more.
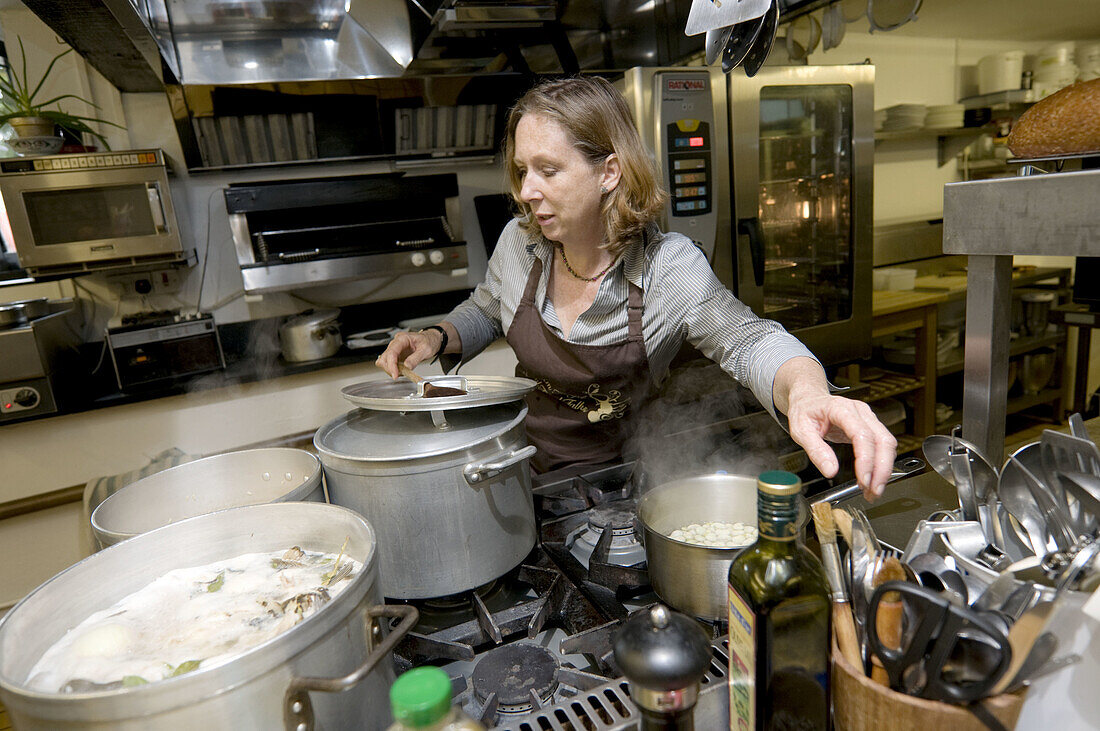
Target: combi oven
(67, 214)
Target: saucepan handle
(902, 468)
(297, 708)
(479, 472)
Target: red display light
(695, 142)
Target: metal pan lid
(402, 394)
(363, 435)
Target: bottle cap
(778, 482)
(421, 696)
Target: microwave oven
(69, 214)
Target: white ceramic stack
(1088, 60)
(904, 117)
(944, 116)
(880, 118)
(1054, 68)
(1000, 72)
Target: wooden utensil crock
(860, 704)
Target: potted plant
(28, 116)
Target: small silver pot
(246, 477)
(332, 670)
(310, 335)
(693, 579)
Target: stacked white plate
(904, 116)
(1088, 60)
(1055, 67)
(880, 118)
(944, 116)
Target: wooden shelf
(1020, 403)
(909, 443)
(1018, 347)
(890, 384)
(916, 310)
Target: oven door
(81, 220)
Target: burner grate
(608, 707)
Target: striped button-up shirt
(682, 300)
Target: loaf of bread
(1065, 123)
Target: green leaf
(184, 667)
(216, 583)
(131, 681)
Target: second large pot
(332, 670)
(449, 492)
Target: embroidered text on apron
(577, 413)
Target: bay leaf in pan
(762, 46)
(742, 36)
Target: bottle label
(742, 621)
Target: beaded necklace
(578, 276)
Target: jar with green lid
(421, 699)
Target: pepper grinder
(664, 656)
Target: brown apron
(581, 408)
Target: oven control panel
(685, 151)
(19, 399)
(84, 161)
(26, 399)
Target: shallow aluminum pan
(401, 394)
(244, 477)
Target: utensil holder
(860, 704)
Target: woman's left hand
(838, 419)
(814, 415)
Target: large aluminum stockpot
(246, 477)
(341, 647)
(449, 492)
(693, 579)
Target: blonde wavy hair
(595, 116)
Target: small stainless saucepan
(693, 578)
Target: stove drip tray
(520, 677)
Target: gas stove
(542, 634)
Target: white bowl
(47, 145)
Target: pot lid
(401, 395)
(368, 436)
(312, 318)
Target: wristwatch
(442, 345)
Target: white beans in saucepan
(716, 534)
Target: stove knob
(418, 259)
(436, 257)
(26, 397)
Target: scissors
(939, 633)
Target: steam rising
(682, 433)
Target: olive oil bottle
(779, 620)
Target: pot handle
(475, 473)
(297, 709)
(902, 468)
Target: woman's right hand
(409, 348)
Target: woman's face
(558, 183)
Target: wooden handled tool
(888, 617)
(844, 627)
(430, 390)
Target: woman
(595, 300)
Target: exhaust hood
(139, 46)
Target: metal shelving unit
(990, 221)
